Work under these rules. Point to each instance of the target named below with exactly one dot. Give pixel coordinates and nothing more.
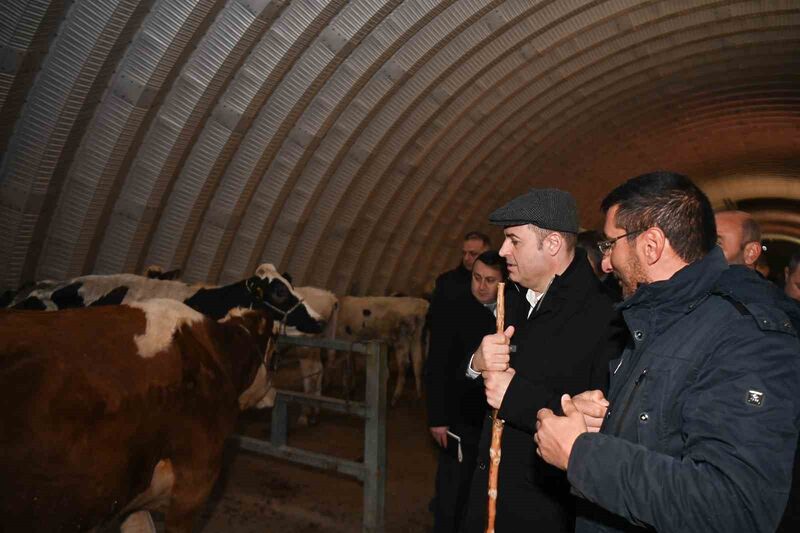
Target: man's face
(484, 282)
(527, 261)
(792, 287)
(470, 251)
(622, 260)
(730, 234)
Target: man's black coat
(563, 347)
(456, 402)
(453, 400)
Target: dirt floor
(258, 494)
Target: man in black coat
(456, 405)
(565, 331)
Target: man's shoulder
(456, 275)
(452, 283)
(755, 297)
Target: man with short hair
(456, 405)
(703, 419)
(739, 236)
(562, 325)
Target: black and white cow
(267, 289)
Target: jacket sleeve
(525, 397)
(522, 401)
(734, 471)
(442, 338)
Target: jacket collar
(568, 288)
(680, 294)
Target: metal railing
(372, 471)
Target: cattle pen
(372, 471)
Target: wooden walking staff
(497, 425)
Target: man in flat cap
(564, 331)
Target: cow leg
(311, 370)
(195, 474)
(329, 363)
(138, 522)
(417, 360)
(401, 358)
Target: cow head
(270, 290)
(254, 327)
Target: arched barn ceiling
(352, 143)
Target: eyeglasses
(606, 246)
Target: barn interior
(352, 143)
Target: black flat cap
(551, 209)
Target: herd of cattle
(121, 401)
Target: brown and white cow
(267, 289)
(398, 320)
(112, 410)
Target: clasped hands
(555, 434)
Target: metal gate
(372, 472)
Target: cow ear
(171, 275)
(287, 276)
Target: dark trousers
(453, 480)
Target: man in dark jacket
(454, 284)
(561, 323)
(703, 419)
(456, 405)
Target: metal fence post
(280, 422)
(375, 438)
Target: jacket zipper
(628, 402)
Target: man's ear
(652, 243)
(786, 274)
(751, 252)
(554, 242)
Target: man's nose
(606, 264)
(504, 249)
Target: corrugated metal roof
(354, 142)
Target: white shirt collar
(535, 298)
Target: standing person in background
(704, 408)
(456, 405)
(562, 324)
(450, 288)
(455, 283)
(739, 236)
